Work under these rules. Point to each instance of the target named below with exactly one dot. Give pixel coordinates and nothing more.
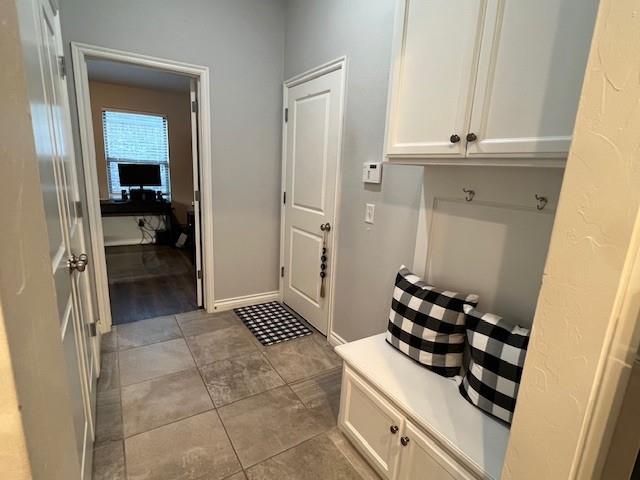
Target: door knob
(394, 429)
(404, 441)
(78, 263)
(325, 227)
(454, 138)
(471, 137)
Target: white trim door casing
(195, 162)
(312, 141)
(80, 53)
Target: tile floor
(195, 396)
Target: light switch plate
(369, 213)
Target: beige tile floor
(195, 396)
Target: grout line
(224, 427)
(152, 343)
(157, 377)
(169, 423)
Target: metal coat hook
(469, 194)
(542, 202)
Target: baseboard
(126, 241)
(243, 301)
(334, 339)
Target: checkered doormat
(271, 323)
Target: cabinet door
(367, 419)
(434, 56)
(422, 458)
(530, 73)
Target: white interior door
(312, 152)
(435, 52)
(51, 124)
(195, 152)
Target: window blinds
(135, 138)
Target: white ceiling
(136, 76)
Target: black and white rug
(271, 323)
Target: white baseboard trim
(243, 301)
(126, 241)
(335, 339)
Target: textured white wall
(368, 255)
(594, 222)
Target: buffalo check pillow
(427, 324)
(496, 358)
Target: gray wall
(242, 43)
(319, 31)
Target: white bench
(411, 423)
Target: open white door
(314, 120)
(195, 152)
(52, 133)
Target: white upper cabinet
(433, 76)
(495, 81)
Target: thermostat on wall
(372, 172)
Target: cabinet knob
(471, 137)
(454, 138)
(394, 429)
(404, 441)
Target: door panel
(309, 154)
(530, 71)
(306, 249)
(51, 124)
(312, 150)
(422, 458)
(433, 79)
(366, 418)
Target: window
(135, 138)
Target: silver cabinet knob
(404, 441)
(78, 263)
(393, 429)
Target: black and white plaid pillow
(427, 324)
(496, 359)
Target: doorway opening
(145, 143)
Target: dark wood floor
(147, 281)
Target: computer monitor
(139, 175)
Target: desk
(117, 208)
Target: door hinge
(284, 198)
(199, 274)
(78, 205)
(282, 271)
(194, 106)
(62, 66)
(286, 115)
(196, 195)
(93, 329)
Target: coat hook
(542, 202)
(469, 194)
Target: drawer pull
(404, 441)
(394, 429)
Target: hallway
(196, 396)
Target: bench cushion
(432, 402)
